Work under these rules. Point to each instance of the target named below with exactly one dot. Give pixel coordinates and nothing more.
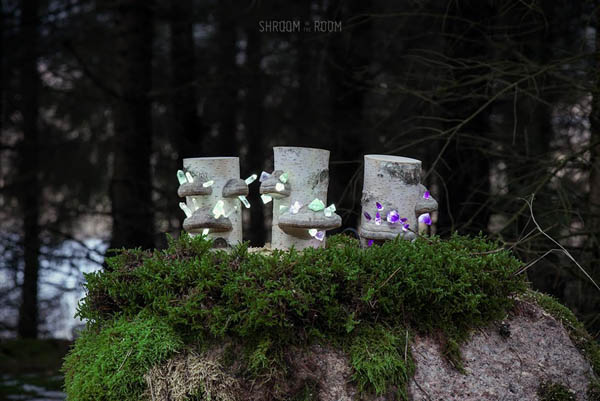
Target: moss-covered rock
(364, 305)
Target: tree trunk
(594, 197)
(255, 160)
(187, 129)
(225, 143)
(131, 184)
(29, 169)
(349, 57)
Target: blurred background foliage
(101, 99)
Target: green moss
(341, 293)
(108, 362)
(555, 392)
(579, 335)
(380, 358)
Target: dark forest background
(100, 101)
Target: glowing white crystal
(295, 207)
(329, 210)
(266, 198)
(185, 209)
(313, 232)
(189, 176)
(195, 202)
(279, 187)
(205, 231)
(208, 183)
(244, 201)
(282, 208)
(219, 209)
(251, 179)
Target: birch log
(393, 182)
(307, 179)
(225, 173)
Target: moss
(267, 302)
(555, 392)
(380, 358)
(593, 392)
(577, 332)
(108, 362)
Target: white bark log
(220, 170)
(308, 178)
(394, 182)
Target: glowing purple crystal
(378, 218)
(425, 218)
(393, 216)
(379, 206)
(367, 216)
(370, 242)
(320, 235)
(426, 195)
(405, 227)
(403, 220)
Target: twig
(562, 248)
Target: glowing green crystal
(266, 198)
(329, 210)
(181, 177)
(316, 205)
(283, 177)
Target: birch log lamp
(393, 199)
(213, 192)
(298, 189)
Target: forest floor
(30, 369)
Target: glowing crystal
(370, 242)
(244, 201)
(312, 232)
(282, 208)
(195, 202)
(266, 198)
(425, 218)
(219, 209)
(405, 227)
(207, 183)
(250, 179)
(393, 217)
(320, 235)
(329, 210)
(283, 177)
(181, 177)
(316, 205)
(378, 218)
(205, 231)
(189, 176)
(426, 195)
(185, 209)
(367, 216)
(279, 187)
(296, 207)
(264, 176)
(379, 206)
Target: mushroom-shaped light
(235, 187)
(195, 188)
(203, 218)
(274, 187)
(298, 224)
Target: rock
(496, 366)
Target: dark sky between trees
(101, 100)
